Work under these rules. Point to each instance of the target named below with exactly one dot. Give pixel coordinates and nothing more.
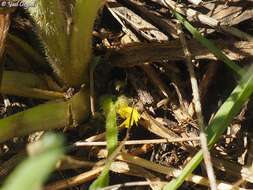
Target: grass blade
(84, 15)
(109, 108)
(209, 44)
(219, 123)
(111, 124)
(41, 164)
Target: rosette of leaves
(66, 37)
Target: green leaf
(52, 29)
(67, 45)
(209, 44)
(84, 16)
(109, 109)
(102, 180)
(32, 172)
(219, 123)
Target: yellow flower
(130, 114)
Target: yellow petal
(131, 116)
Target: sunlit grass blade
(32, 172)
(102, 180)
(209, 44)
(219, 123)
(84, 15)
(109, 109)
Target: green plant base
(48, 116)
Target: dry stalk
(198, 110)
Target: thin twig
(198, 110)
(130, 184)
(169, 171)
(138, 142)
(92, 90)
(76, 180)
(87, 176)
(100, 136)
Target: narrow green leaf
(84, 15)
(32, 172)
(209, 44)
(219, 123)
(109, 109)
(102, 180)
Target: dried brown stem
(135, 54)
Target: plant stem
(49, 116)
(26, 85)
(198, 110)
